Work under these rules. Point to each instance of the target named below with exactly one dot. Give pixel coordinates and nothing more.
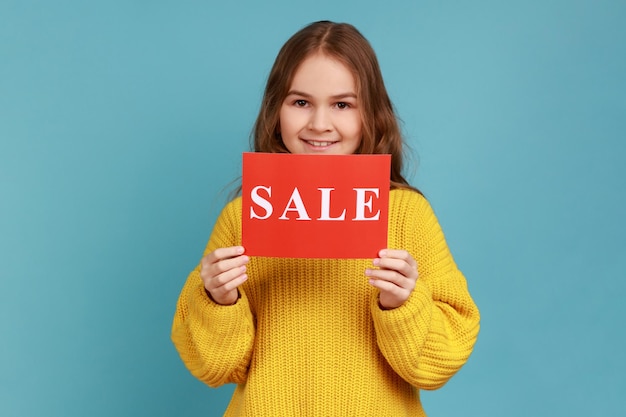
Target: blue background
(122, 125)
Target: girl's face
(320, 114)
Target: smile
(318, 143)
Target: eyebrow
(335, 97)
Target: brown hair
(343, 42)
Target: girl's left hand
(395, 277)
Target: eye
(342, 105)
(300, 103)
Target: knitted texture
(307, 336)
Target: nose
(320, 120)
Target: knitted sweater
(308, 338)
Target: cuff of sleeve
(407, 324)
(223, 321)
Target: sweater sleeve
(214, 341)
(431, 336)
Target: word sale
(363, 205)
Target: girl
(328, 337)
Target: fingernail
(376, 261)
(368, 272)
(240, 250)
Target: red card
(315, 206)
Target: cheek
(285, 119)
(356, 126)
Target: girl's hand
(395, 277)
(222, 271)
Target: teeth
(316, 143)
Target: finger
(212, 283)
(224, 253)
(396, 265)
(398, 260)
(230, 285)
(392, 277)
(226, 265)
(391, 295)
(400, 254)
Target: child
(328, 337)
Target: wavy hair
(343, 42)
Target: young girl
(328, 337)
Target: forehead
(322, 73)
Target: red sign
(315, 206)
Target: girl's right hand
(222, 271)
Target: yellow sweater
(307, 337)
